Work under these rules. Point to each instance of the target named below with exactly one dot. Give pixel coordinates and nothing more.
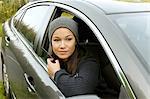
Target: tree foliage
(8, 8)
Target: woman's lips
(62, 52)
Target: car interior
(89, 41)
(110, 88)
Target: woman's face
(63, 43)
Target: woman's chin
(63, 57)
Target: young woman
(72, 68)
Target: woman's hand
(53, 67)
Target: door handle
(7, 39)
(30, 82)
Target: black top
(84, 81)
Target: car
(117, 33)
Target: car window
(29, 26)
(137, 34)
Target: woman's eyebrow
(55, 36)
(69, 35)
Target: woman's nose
(62, 44)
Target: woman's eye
(56, 40)
(69, 39)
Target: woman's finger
(49, 60)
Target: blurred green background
(9, 7)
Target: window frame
(40, 31)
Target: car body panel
(17, 81)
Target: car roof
(110, 6)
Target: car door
(27, 78)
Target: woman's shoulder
(87, 59)
(84, 55)
(88, 63)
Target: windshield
(136, 28)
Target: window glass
(137, 34)
(32, 22)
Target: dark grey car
(116, 33)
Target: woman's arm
(83, 82)
(53, 67)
